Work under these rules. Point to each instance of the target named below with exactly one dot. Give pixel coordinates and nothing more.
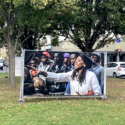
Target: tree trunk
(11, 65)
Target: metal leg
(22, 100)
(104, 98)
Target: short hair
(77, 54)
(34, 60)
(37, 59)
(39, 83)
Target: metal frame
(23, 98)
(105, 76)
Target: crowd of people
(64, 74)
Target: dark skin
(73, 59)
(79, 64)
(33, 63)
(44, 59)
(66, 61)
(94, 58)
(56, 58)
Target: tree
(11, 29)
(92, 24)
(22, 19)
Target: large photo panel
(63, 73)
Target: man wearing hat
(45, 63)
(98, 69)
(67, 61)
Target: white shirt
(90, 82)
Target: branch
(16, 16)
(15, 45)
(20, 32)
(5, 37)
(39, 37)
(104, 42)
(27, 37)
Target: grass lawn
(62, 111)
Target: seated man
(44, 66)
(45, 63)
(57, 67)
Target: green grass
(2, 75)
(62, 111)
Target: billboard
(63, 74)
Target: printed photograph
(63, 73)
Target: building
(65, 45)
(112, 56)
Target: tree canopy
(22, 19)
(92, 24)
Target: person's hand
(53, 66)
(40, 72)
(32, 73)
(78, 93)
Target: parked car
(1, 63)
(116, 69)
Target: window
(1, 61)
(111, 65)
(122, 65)
(112, 58)
(114, 65)
(108, 66)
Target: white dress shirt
(89, 84)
